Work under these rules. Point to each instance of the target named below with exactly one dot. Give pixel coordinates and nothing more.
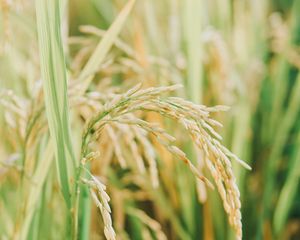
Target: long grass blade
(193, 27)
(104, 46)
(53, 69)
(38, 180)
(279, 143)
(288, 192)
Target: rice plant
(149, 119)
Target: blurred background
(241, 53)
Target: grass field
(149, 119)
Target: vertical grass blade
(192, 19)
(53, 71)
(193, 26)
(38, 179)
(288, 192)
(281, 137)
(104, 46)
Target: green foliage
(64, 99)
(53, 69)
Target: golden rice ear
(237, 53)
(101, 199)
(197, 122)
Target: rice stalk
(280, 139)
(53, 70)
(34, 191)
(101, 200)
(194, 118)
(288, 191)
(87, 73)
(193, 25)
(248, 57)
